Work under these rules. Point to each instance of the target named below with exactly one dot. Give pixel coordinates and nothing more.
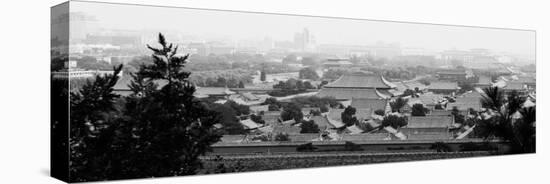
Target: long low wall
(251, 162)
(365, 146)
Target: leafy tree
(282, 137)
(314, 101)
(418, 110)
(308, 85)
(290, 87)
(323, 109)
(241, 84)
(438, 107)
(380, 112)
(348, 116)
(292, 111)
(397, 104)
(228, 118)
(308, 73)
(271, 101)
(458, 117)
(333, 74)
(394, 121)
(257, 119)
(272, 107)
(273, 104)
(409, 92)
(309, 127)
(425, 82)
(239, 109)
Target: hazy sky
(326, 30)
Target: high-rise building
(304, 41)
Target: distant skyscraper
(304, 41)
(81, 25)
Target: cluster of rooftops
(367, 93)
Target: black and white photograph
(288, 91)
(143, 95)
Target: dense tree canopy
(394, 121)
(292, 111)
(308, 73)
(315, 101)
(508, 119)
(309, 127)
(153, 132)
(418, 110)
(458, 117)
(397, 104)
(348, 116)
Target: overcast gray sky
(326, 30)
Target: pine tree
(171, 127)
(92, 114)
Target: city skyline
(257, 26)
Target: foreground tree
(156, 131)
(508, 120)
(172, 128)
(91, 132)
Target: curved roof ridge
(361, 80)
(361, 73)
(380, 94)
(391, 85)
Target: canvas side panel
(59, 97)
